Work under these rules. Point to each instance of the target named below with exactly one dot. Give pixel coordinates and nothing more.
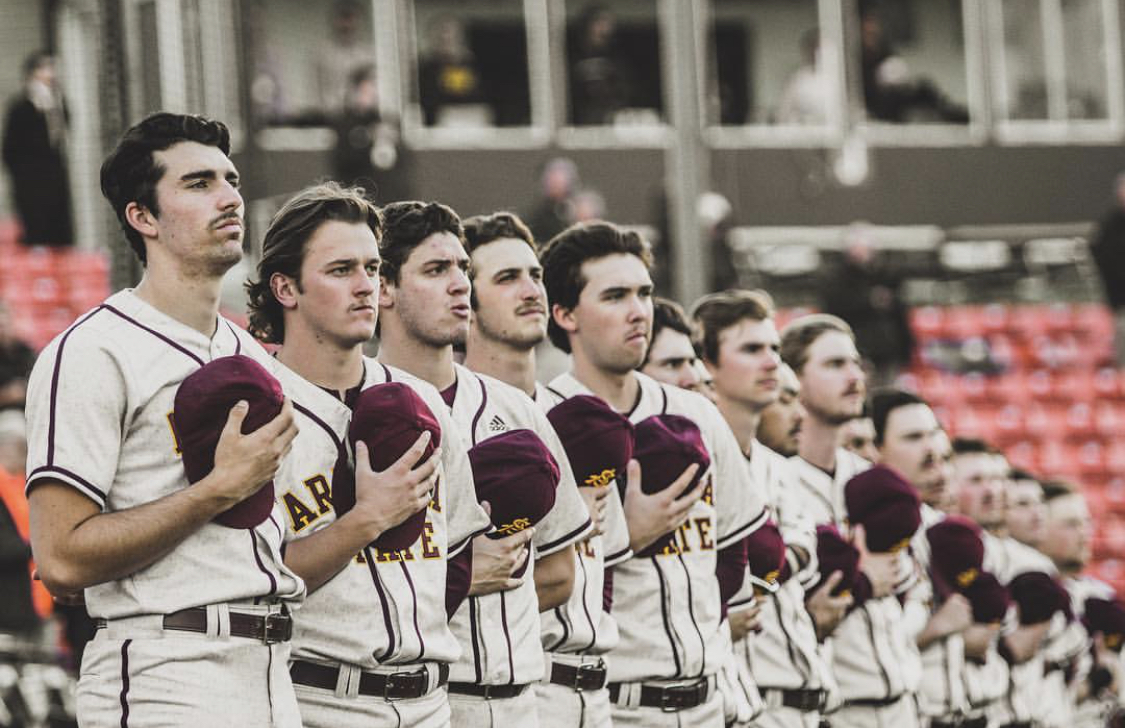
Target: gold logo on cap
(967, 577)
(515, 526)
(602, 479)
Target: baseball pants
(901, 714)
(707, 715)
(786, 718)
(469, 711)
(562, 707)
(337, 709)
(158, 678)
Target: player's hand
(1024, 641)
(884, 570)
(826, 610)
(385, 499)
(745, 621)
(954, 616)
(651, 516)
(978, 638)
(596, 499)
(243, 463)
(494, 560)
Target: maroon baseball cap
(597, 440)
(517, 474)
(1038, 596)
(1108, 617)
(988, 598)
(765, 551)
(202, 405)
(388, 418)
(887, 507)
(956, 554)
(835, 553)
(666, 446)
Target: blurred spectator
(588, 204)
(34, 151)
(810, 91)
(452, 89)
(347, 50)
(1108, 251)
(366, 145)
(863, 291)
(16, 360)
(18, 613)
(599, 84)
(553, 213)
(891, 91)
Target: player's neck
(817, 443)
(324, 365)
(742, 420)
(499, 360)
(433, 364)
(619, 390)
(193, 302)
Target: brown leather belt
(488, 692)
(873, 702)
(392, 686)
(669, 698)
(804, 700)
(580, 678)
(267, 628)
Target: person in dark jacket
(34, 152)
(1108, 251)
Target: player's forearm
(318, 557)
(73, 553)
(554, 579)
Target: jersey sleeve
(76, 415)
(797, 528)
(465, 518)
(739, 501)
(569, 520)
(615, 530)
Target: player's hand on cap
(387, 498)
(496, 559)
(954, 616)
(243, 463)
(596, 500)
(826, 610)
(651, 516)
(883, 570)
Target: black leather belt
(873, 702)
(488, 692)
(392, 686)
(669, 698)
(579, 678)
(267, 628)
(806, 701)
(978, 722)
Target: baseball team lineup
(272, 528)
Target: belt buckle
(669, 692)
(390, 683)
(586, 671)
(276, 627)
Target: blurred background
(944, 172)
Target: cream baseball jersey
(667, 605)
(582, 625)
(500, 633)
(381, 608)
(100, 419)
(775, 475)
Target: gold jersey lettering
(435, 496)
(430, 549)
(300, 515)
(321, 492)
(175, 435)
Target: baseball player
(424, 310)
(668, 605)
(371, 645)
(193, 614)
(779, 423)
(671, 355)
(509, 320)
(740, 348)
(872, 656)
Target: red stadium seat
(1107, 384)
(995, 318)
(1080, 421)
(927, 322)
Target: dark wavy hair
(483, 229)
(406, 225)
(286, 240)
(130, 172)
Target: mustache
(226, 217)
(531, 308)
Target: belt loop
(433, 676)
(344, 683)
(630, 695)
(218, 620)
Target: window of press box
(471, 64)
(613, 66)
(769, 63)
(913, 61)
(1059, 60)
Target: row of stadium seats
(1023, 321)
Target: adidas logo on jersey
(497, 425)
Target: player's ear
(386, 292)
(284, 289)
(141, 219)
(564, 318)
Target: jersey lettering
(435, 496)
(321, 493)
(429, 548)
(708, 496)
(695, 534)
(300, 515)
(175, 435)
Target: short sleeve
(739, 501)
(569, 520)
(465, 518)
(76, 408)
